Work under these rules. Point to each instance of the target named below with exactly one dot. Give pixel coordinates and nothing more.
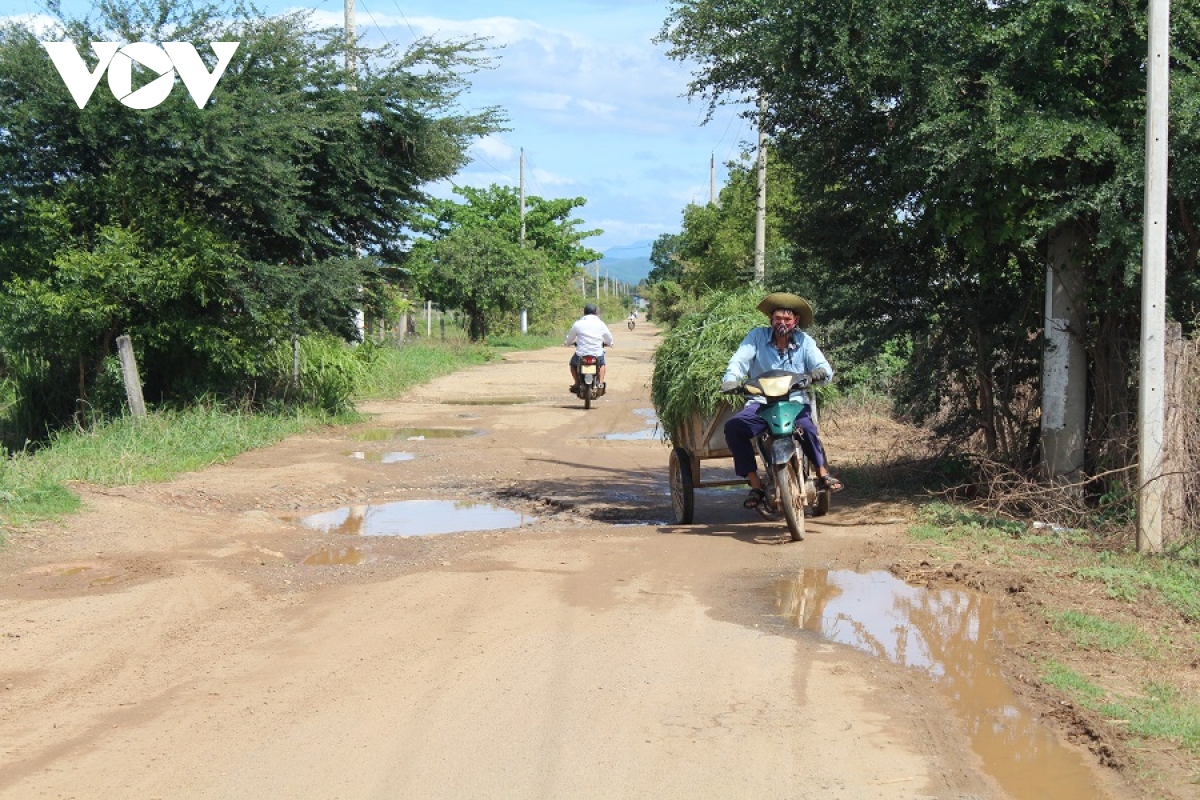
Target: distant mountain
(629, 263)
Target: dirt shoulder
(196, 639)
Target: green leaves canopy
(207, 233)
(476, 260)
(938, 146)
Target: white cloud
(40, 24)
(599, 109)
(494, 148)
(544, 177)
(544, 101)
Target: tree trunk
(1064, 370)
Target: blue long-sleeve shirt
(757, 354)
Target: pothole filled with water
(649, 432)
(415, 518)
(412, 434)
(952, 636)
(382, 458)
(335, 556)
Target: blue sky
(597, 107)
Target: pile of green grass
(689, 363)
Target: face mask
(784, 327)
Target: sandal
(754, 499)
(830, 482)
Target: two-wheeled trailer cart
(699, 438)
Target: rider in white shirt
(590, 336)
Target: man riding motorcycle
(781, 345)
(590, 336)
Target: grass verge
(166, 443)
(1122, 629)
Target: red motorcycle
(588, 386)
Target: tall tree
(938, 145)
(477, 268)
(259, 215)
(489, 221)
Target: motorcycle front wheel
(791, 497)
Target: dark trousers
(743, 426)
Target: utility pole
(760, 208)
(524, 311)
(1151, 414)
(351, 61)
(712, 179)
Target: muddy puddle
(382, 458)
(415, 518)
(952, 636)
(649, 432)
(336, 556)
(412, 434)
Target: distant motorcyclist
(590, 336)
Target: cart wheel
(822, 506)
(683, 486)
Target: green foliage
(1090, 632)
(166, 443)
(692, 357)
(1161, 712)
(393, 370)
(475, 259)
(1073, 684)
(479, 270)
(960, 522)
(669, 302)
(937, 149)
(24, 498)
(128, 451)
(330, 371)
(715, 247)
(1126, 577)
(207, 234)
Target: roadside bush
(330, 372)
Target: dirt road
(200, 639)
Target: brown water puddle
(382, 458)
(952, 636)
(414, 518)
(649, 432)
(336, 556)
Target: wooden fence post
(129, 374)
(1175, 451)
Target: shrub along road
(195, 639)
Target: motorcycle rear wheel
(791, 498)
